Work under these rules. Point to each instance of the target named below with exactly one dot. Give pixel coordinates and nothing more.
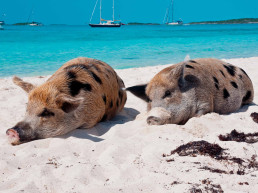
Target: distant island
(137, 23)
(25, 23)
(230, 21)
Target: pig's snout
(13, 136)
(20, 133)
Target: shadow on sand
(93, 134)
(245, 108)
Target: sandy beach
(126, 154)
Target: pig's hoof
(154, 120)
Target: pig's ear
(139, 91)
(185, 82)
(27, 87)
(178, 73)
(68, 103)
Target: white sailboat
(33, 23)
(2, 23)
(104, 22)
(167, 15)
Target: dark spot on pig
(86, 69)
(95, 67)
(46, 113)
(111, 104)
(192, 79)
(247, 96)
(71, 75)
(222, 73)
(193, 61)
(117, 102)
(215, 80)
(234, 84)
(225, 93)
(231, 69)
(104, 118)
(96, 78)
(87, 87)
(104, 98)
(189, 66)
(244, 72)
(240, 76)
(76, 86)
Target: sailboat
(2, 23)
(104, 22)
(167, 16)
(33, 23)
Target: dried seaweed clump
(240, 137)
(255, 117)
(199, 148)
(206, 186)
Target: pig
(81, 93)
(194, 88)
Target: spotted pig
(193, 88)
(81, 93)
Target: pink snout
(13, 136)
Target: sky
(78, 12)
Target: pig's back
(94, 80)
(230, 85)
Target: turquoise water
(29, 51)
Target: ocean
(31, 51)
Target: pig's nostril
(13, 136)
(153, 120)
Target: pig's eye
(167, 94)
(46, 113)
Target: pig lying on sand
(81, 93)
(193, 88)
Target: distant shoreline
(229, 21)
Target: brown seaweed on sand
(205, 148)
(240, 137)
(255, 117)
(199, 147)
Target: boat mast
(172, 11)
(100, 11)
(113, 10)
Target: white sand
(125, 154)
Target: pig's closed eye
(46, 113)
(167, 94)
